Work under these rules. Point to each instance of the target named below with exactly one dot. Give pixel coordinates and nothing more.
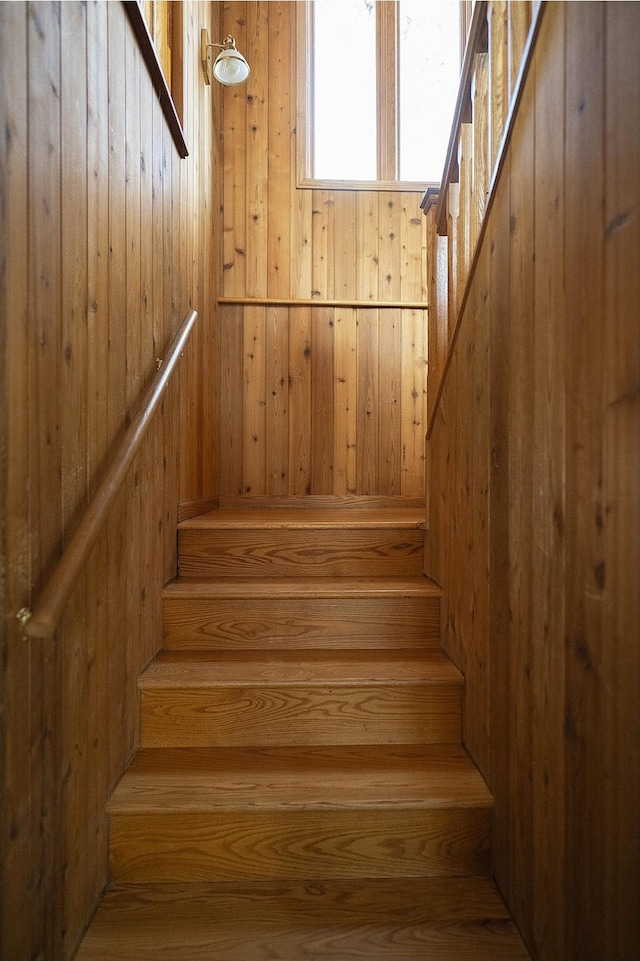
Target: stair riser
(223, 846)
(294, 553)
(231, 717)
(293, 623)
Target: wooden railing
(499, 42)
(42, 622)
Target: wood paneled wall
(535, 492)
(319, 399)
(322, 401)
(107, 241)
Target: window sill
(404, 186)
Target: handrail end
(34, 627)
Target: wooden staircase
(301, 791)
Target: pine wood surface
(285, 777)
(302, 587)
(296, 415)
(538, 477)
(298, 613)
(193, 669)
(105, 248)
(422, 919)
(302, 843)
(278, 518)
(410, 713)
(258, 553)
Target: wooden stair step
(228, 613)
(366, 811)
(195, 698)
(292, 518)
(291, 542)
(420, 919)
(362, 776)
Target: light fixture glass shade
(230, 68)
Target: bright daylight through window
(385, 80)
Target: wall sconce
(229, 68)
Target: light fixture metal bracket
(206, 55)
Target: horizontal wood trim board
(298, 302)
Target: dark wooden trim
(150, 57)
(430, 198)
(302, 302)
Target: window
(381, 84)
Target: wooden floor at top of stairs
(420, 919)
(283, 518)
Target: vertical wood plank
(255, 437)
(518, 20)
(465, 209)
(621, 470)
(390, 451)
(585, 748)
(413, 263)
(116, 525)
(414, 401)
(97, 429)
(133, 373)
(345, 401)
(322, 413)
(498, 76)
(549, 507)
(234, 230)
(277, 412)
(299, 400)
(345, 244)
(44, 263)
(367, 249)
(520, 428)
(280, 173)
(322, 239)
(72, 653)
(301, 243)
(367, 400)
(231, 400)
(479, 94)
(389, 246)
(257, 150)
(453, 256)
(501, 701)
(20, 912)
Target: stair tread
(419, 919)
(283, 518)
(300, 778)
(301, 587)
(285, 668)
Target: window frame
(387, 27)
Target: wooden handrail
(44, 619)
